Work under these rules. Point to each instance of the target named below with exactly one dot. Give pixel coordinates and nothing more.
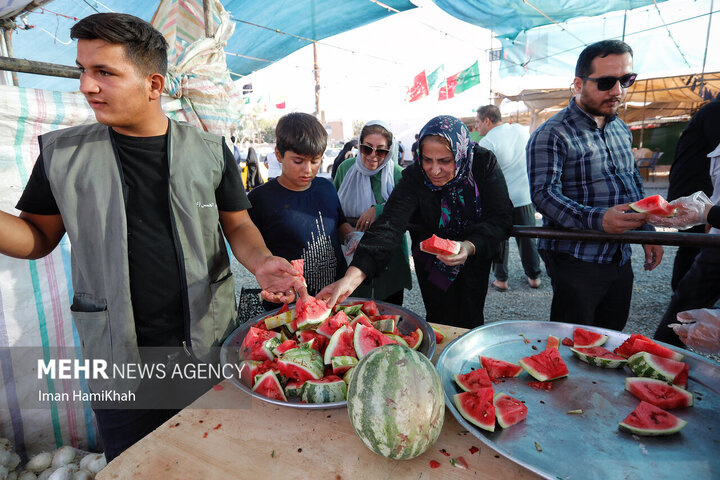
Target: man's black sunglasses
(606, 83)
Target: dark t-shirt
(690, 171)
(155, 279)
(302, 225)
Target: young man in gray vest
(147, 204)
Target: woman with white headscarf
(364, 184)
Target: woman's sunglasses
(606, 83)
(379, 152)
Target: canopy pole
(642, 125)
(38, 68)
(316, 71)
(707, 40)
(207, 15)
(8, 50)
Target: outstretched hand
(699, 329)
(616, 220)
(338, 291)
(279, 281)
(689, 211)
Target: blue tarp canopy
(507, 18)
(265, 31)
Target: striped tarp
(35, 296)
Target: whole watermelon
(395, 402)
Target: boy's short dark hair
(301, 133)
(490, 111)
(144, 45)
(601, 49)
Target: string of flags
(447, 87)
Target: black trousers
(699, 288)
(589, 293)
(523, 215)
(463, 303)
(684, 258)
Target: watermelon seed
(541, 401)
(328, 416)
(299, 450)
(594, 382)
(534, 347)
(444, 452)
(497, 456)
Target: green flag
(468, 78)
(436, 77)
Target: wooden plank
(262, 440)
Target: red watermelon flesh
(361, 319)
(649, 420)
(500, 368)
(440, 246)
(248, 369)
(546, 365)
(414, 338)
(370, 308)
(682, 378)
(567, 342)
(640, 343)
(659, 393)
(315, 340)
(508, 410)
(253, 342)
(268, 386)
(330, 325)
(299, 265)
(367, 338)
(585, 338)
(284, 347)
(474, 380)
(654, 205)
(477, 408)
(283, 309)
(439, 334)
(310, 312)
(341, 344)
(552, 342)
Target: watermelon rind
(473, 380)
(477, 407)
(397, 339)
(396, 402)
(414, 338)
(280, 319)
(508, 410)
(310, 312)
(335, 345)
(648, 420)
(591, 356)
(294, 388)
(365, 339)
(655, 205)
(500, 368)
(350, 310)
(386, 325)
(439, 334)
(658, 392)
(644, 364)
(321, 391)
(342, 364)
(269, 383)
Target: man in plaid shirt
(583, 175)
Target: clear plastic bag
(351, 242)
(699, 329)
(690, 212)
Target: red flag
(448, 90)
(280, 105)
(419, 88)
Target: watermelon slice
(370, 308)
(293, 388)
(440, 246)
(500, 368)
(361, 319)
(644, 364)
(253, 345)
(331, 324)
(599, 357)
(546, 365)
(269, 386)
(477, 407)
(439, 334)
(474, 380)
(367, 338)
(299, 265)
(654, 205)
(586, 338)
(284, 347)
(303, 363)
(313, 340)
(552, 342)
(659, 393)
(310, 312)
(385, 325)
(350, 310)
(341, 344)
(325, 390)
(649, 420)
(342, 364)
(414, 339)
(508, 410)
(640, 343)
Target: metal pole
(316, 70)
(207, 15)
(642, 124)
(7, 34)
(38, 68)
(643, 238)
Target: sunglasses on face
(368, 150)
(606, 83)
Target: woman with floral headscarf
(454, 190)
(364, 185)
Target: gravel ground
(651, 290)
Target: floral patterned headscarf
(460, 197)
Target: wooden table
(260, 440)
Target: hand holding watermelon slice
(450, 252)
(689, 211)
(654, 205)
(278, 279)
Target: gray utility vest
(86, 179)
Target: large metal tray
(409, 322)
(587, 446)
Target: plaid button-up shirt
(577, 171)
